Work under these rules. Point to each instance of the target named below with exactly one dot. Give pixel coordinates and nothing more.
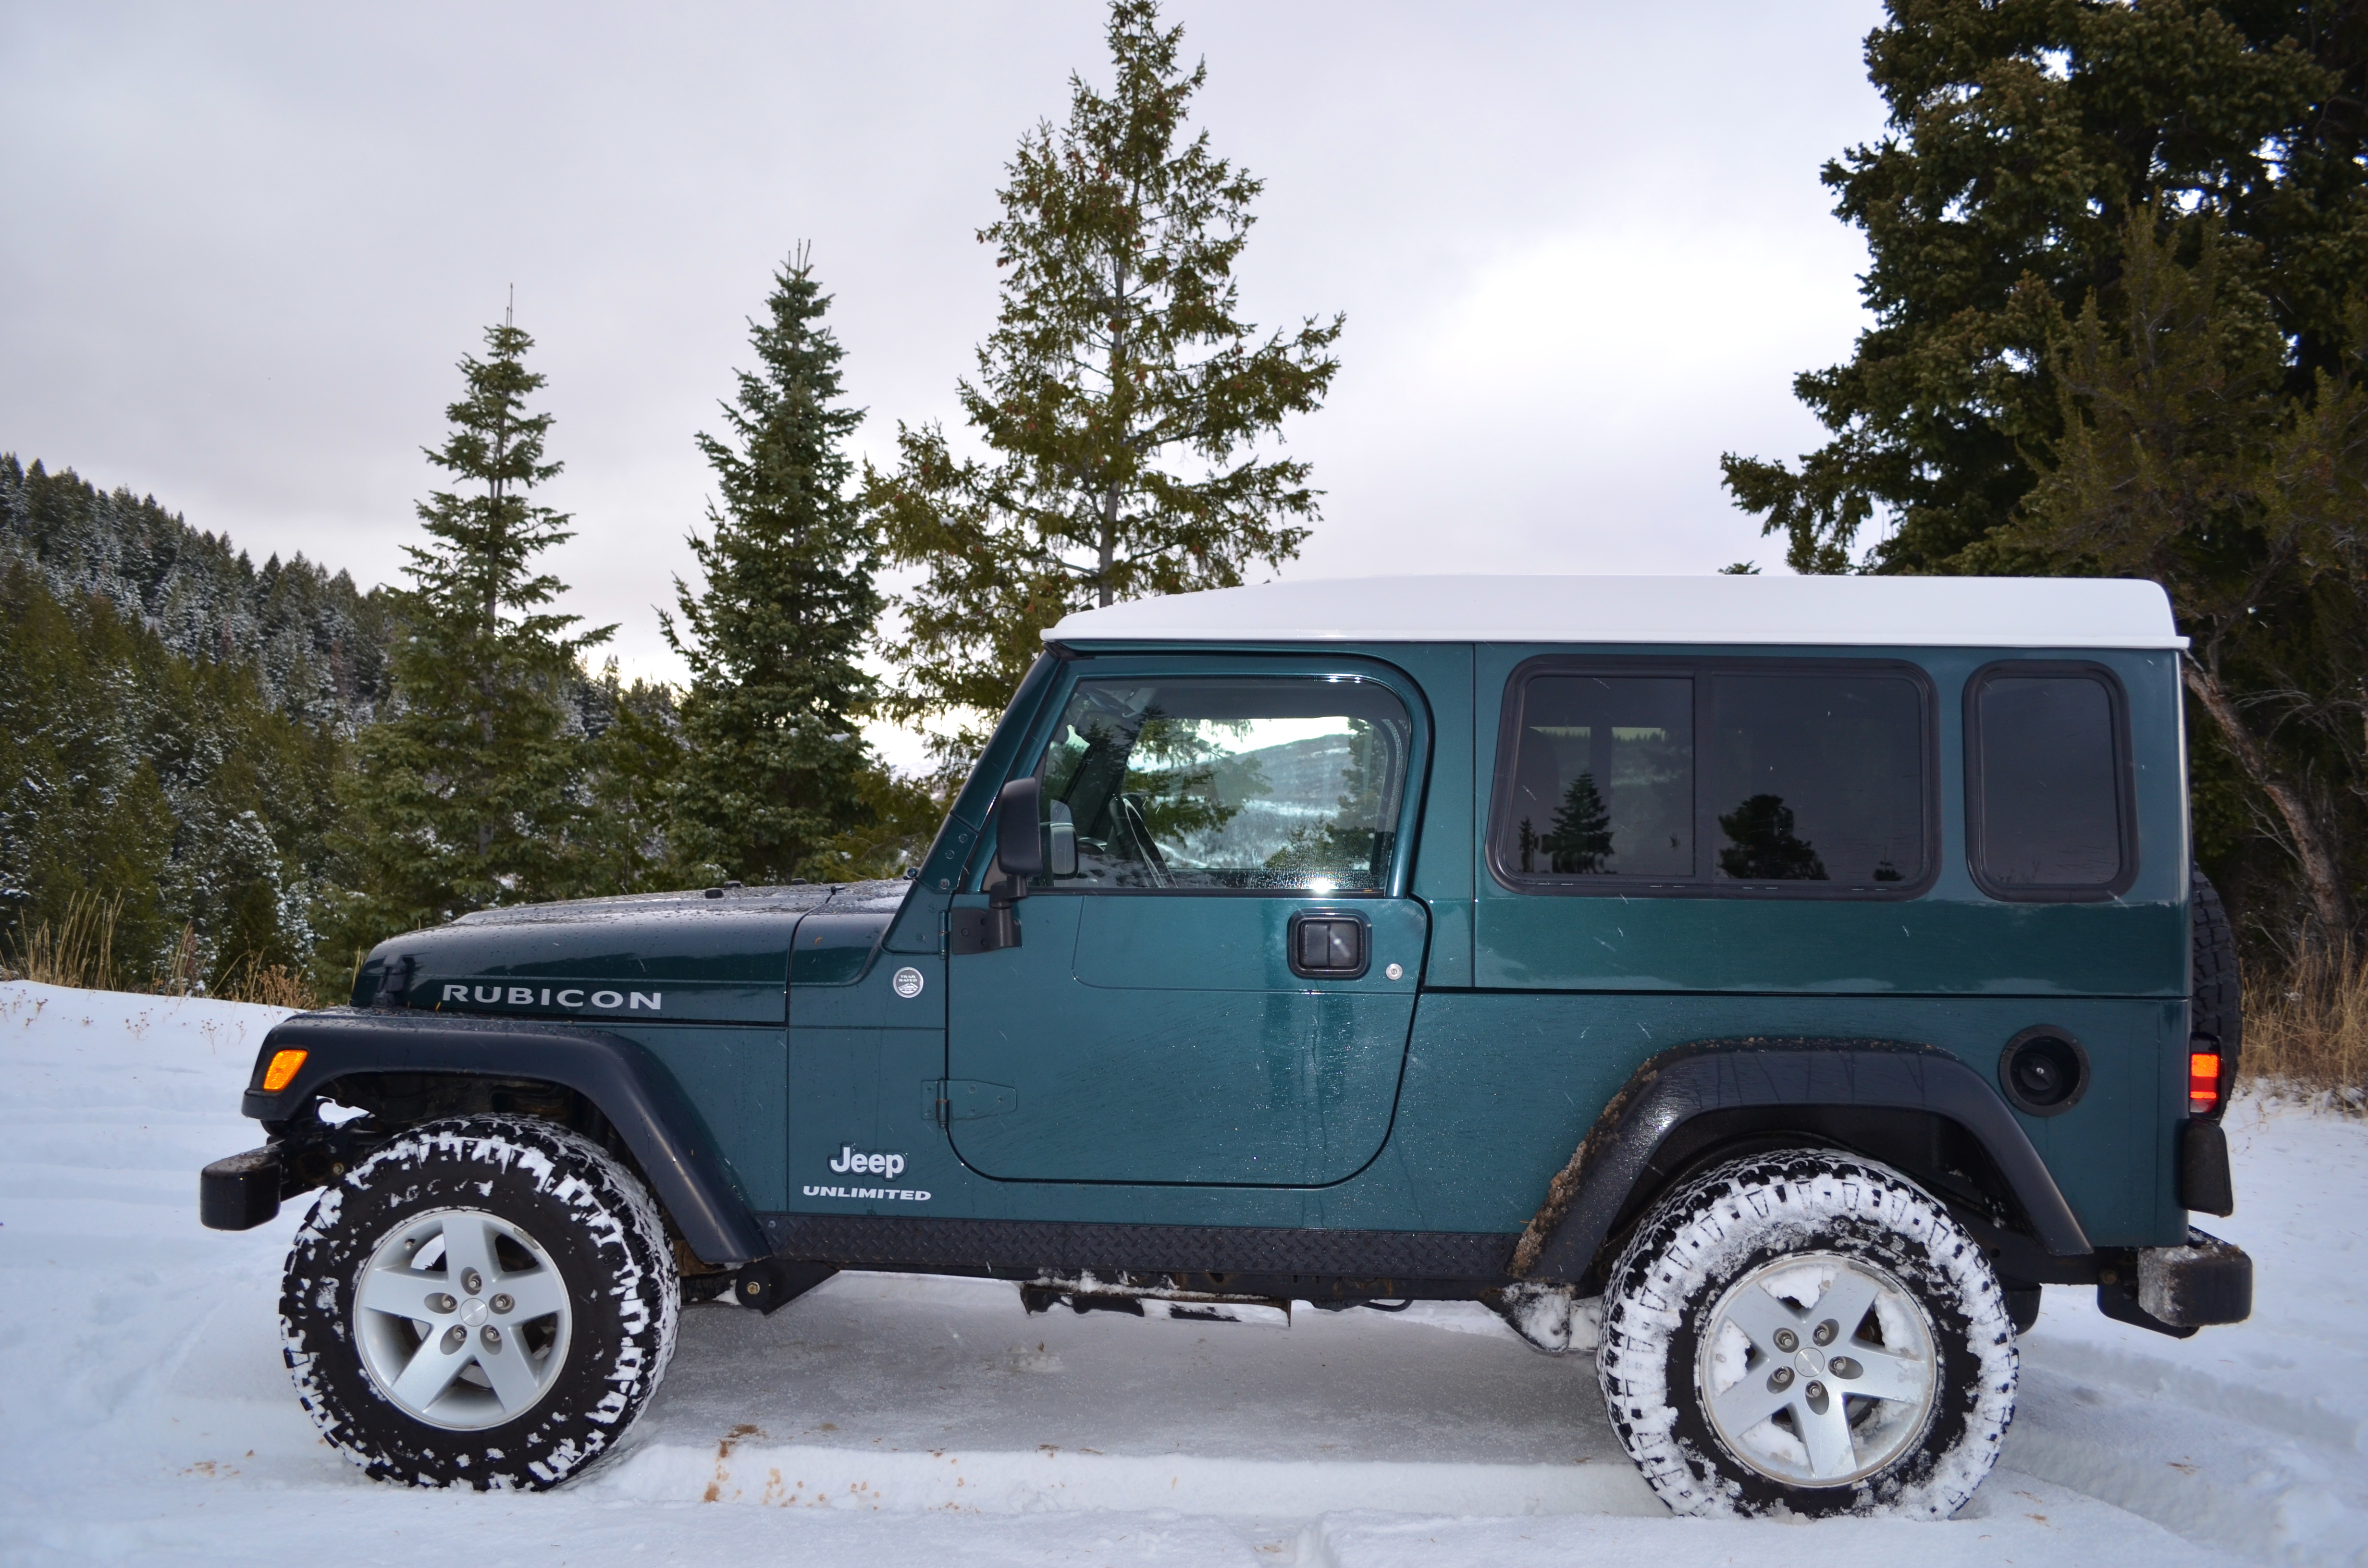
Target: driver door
(1217, 969)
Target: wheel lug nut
(1780, 1380)
(1843, 1366)
(440, 1302)
(1787, 1341)
(1826, 1331)
(1815, 1390)
(472, 1281)
(491, 1335)
(454, 1338)
(502, 1304)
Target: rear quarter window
(1767, 777)
(2049, 801)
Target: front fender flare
(1586, 1197)
(631, 1087)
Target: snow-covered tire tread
(594, 1216)
(1734, 1217)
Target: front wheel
(1807, 1332)
(483, 1303)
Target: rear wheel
(484, 1303)
(1807, 1332)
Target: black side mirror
(1018, 846)
(1018, 855)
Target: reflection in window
(1603, 785)
(1786, 776)
(2049, 784)
(1816, 777)
(1284, 783)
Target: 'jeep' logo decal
(559, 996)
(852, 1161)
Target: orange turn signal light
(2202, 1081)
(285, 1065)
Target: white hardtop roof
(1934, 612)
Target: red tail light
(2202, 1081)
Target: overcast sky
(1582, 248)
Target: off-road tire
(2217, 983)
(1700, 1240)
(593, 1221)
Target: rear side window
(1761, 778)
(2047, 787)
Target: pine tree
(2022, 135)
(775, 639)
(1118, 366)
(472, 792)
(1581, 840)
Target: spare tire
(2216, 985)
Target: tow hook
(769, 1284)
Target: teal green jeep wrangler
(1766, 984)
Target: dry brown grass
(77, 950)
(177, 976)
(2308, 1029)
(270, 984)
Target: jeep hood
(720, 957)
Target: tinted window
(1241, 783)
(2048, 807)
(1717, 776)
(1814, 778)
(1604, 783)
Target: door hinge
(981, 930)
(947, 1100)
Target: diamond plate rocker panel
(864, 1241)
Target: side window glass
(2047, 790)
(1816, 779)
(1213, 783)
(1603, 783)
(1717, 776)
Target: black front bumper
(240, 1191)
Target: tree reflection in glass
(1581, 843)
(1762, 848)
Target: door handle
(1329, 944)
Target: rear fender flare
(630, 1086)
(1591, 1195)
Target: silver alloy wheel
(462, 1319)
(1817, 1370)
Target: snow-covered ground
(885, 1420)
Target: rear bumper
(2177, 1291)
(2207, 1281)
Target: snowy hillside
(144, 1415)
